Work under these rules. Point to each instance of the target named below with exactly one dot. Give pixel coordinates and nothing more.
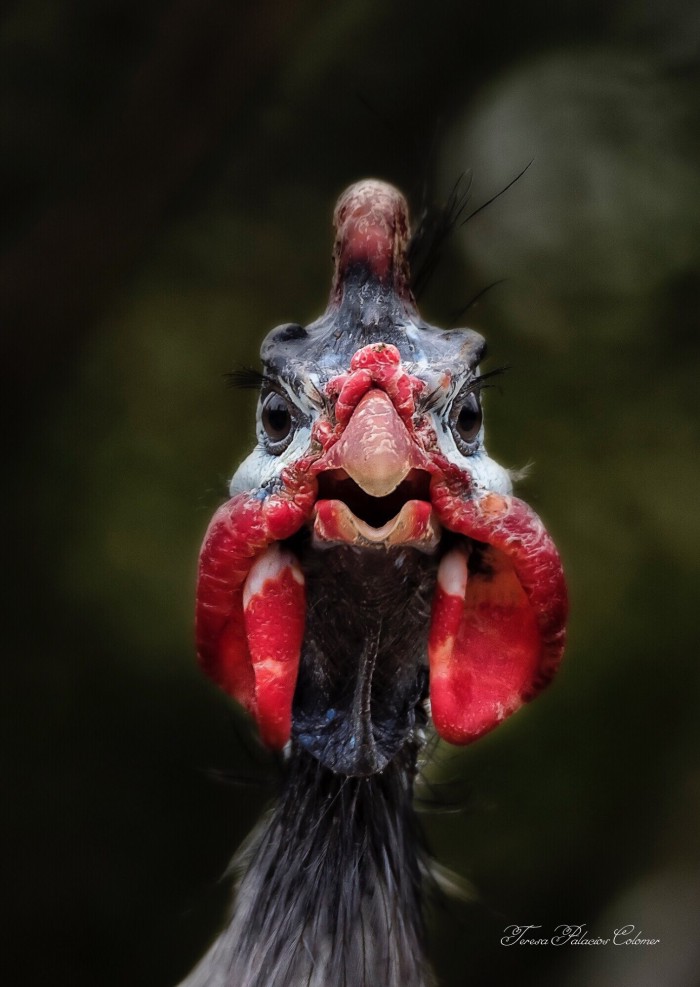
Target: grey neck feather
(331, 892)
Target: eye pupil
(276, 419)
(468, 420)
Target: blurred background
(169, 171)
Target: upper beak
(375, 449)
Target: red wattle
(498, 645)
(239, 532)
(274, 607)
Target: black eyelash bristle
(478, 383)
(245, 378)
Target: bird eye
(466, 422)
(277, 422)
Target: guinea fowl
(371, 571)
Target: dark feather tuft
(437, 224)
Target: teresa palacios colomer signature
(573, 935)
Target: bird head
(371, 476)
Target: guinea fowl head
(372, 554)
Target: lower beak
(415, 526)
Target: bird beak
(373, 484)
(375, 449)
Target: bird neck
(331, 893)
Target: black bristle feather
(245, 378)
(478, 383)
(435, 227)
(476, 298)
(437, 224)
(493, 198)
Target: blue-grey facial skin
(301, 367)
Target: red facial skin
(489, 650)
(274, 611)
(509, 628)
(240, 531)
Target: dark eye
(277, 421)
(466, 422)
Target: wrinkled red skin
(239, 532)
(509, 636)
(508, 648)
(274, 624)
(375, 366)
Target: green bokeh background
(168, 176)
